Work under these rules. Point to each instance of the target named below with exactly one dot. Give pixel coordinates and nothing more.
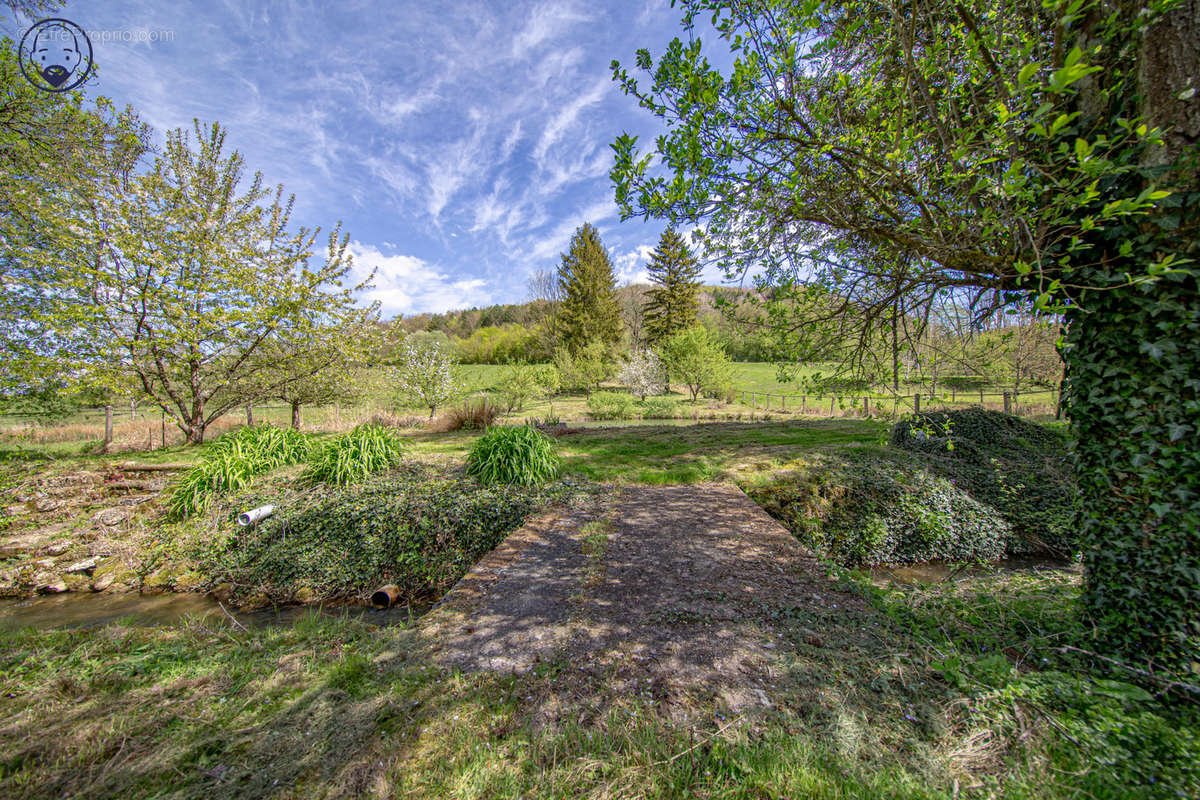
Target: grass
(513, 454)
(337, 707)
(353, 456)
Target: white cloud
(405, 284)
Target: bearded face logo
(58, 52)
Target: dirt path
(671, 590)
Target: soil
(672, 591)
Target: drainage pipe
(255, 515)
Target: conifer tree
(588, 310)
(672, 303)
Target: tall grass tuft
(513, 454)
(232, 461)
(353, 456)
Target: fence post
(803, 404)
(981, 397)
(951, 394)
(783, 398)
(917, 403)
(164, 428)
(831, 402)
(249, 414)
(132, 412)
(1007, 403)
(866, 406)
(107, 426)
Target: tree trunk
(1132, 397)
(296, 414)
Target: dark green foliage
(672, 303)
(353, 456)
(1021, 469)
(1133, 399)
(513, 454)
(232, 461)
(870, 507)
(417, 528)
(588, 311)
(610, 405)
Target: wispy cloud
(473, 138)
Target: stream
(88, 610)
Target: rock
(57, 548)
(46, 504)
(49, 583)
(221, 592)
(306, 595)
(112, 573)
(103, 582)
(45, 563)
(111, 516)
(23, 545)
(86, 565)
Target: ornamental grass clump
(232, 461)
(513, 454)
(353, 456)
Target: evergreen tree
(672, 304)
(588, 311)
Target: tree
(327, 368)
(644, 374)
(673, 301)
(695, 357)
(180, 281)
(587, 309)
(1032, 152)
(54, 151)
(586, 369)
(427, 376)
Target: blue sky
(459, 143)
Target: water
(938, 572)
(88, 610)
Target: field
(757, 396)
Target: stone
(49, 583)
(57, 548)
(104, 582)
(86, 565)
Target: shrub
(476, 414)
(1020, 468)
(659, 408)
(232, 461)
(523, 382)
(610, 405)
(585, 370)
(869, 507)
(417, 528)
(513, 454)
(353, 456)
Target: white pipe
(255, 514)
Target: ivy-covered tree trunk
(1133, 400)
(1133, 385)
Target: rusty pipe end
(385, 596)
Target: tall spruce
(588, 310)
(673, 302)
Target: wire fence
(1011, 402)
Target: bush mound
(1019, 468)
(610, 405)
(353, 456)
(871, 507)
(660, 408)
(513, 454)
(232, 461)
(418, 528)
